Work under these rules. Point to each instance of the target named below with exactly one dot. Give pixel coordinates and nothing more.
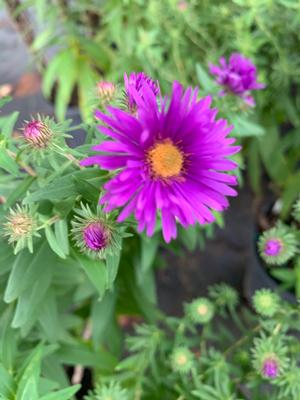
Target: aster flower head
(20, 227)
(200, 311)
(169, 160)
(277, 245)
(182, 360)
(238, 76)
(37, 134)
(95, 234)
(266, 302)
(269, 356)
(111, 391)
(134, 84)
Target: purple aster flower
(95, 236)
(135, 82)
(167, 160)
(238, 76)
(37, 133)
(270, 368)
(273, 247)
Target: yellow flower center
(202, 309)
(166, 159)
(181, 359)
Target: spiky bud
(270, 356)
(95, 234)
(277, 245)
(106, 91)
(200, 311)
(270, 367)
(111, 391)
(20, 227)
(37, 134)
(266, 302)
(182, 360)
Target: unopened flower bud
(20, 228)
(106, 91)
(37, 134)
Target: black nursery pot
(257, 277)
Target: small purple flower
(238, 76)
(168, 160)
(95, 236)
(273, 247)
(270, 368)
(37, 133)
(135, 84)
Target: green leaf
(95, 271)
(8, 163)
(81, 354)
(49, 318)
(30, 371)
(149, 248)
(29, 391)
(30, 300)
(245, 128)
(63, 187)
(7, 384)
(19, 191)
(7, 124)
(101, 315)
(63, 394)
(112, 267)
(26, 270)
(62, 235)
(205, 81)
(87, 190)
(66, 81)
(53, 242)
(285, 275)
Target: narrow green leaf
(19, 191)
(112, 267)
(7, 124)
(7, 163)
(53, 243)
(95, 271)
(63, 394)
(62, 236)
(31, 299)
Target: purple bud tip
(95, 236)
(105, 87)
(270, 368)
(33, 129)
(273, 247)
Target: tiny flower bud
(265, 302)
(182, 5)
(201, 310)
(270, 368)
(37, 134)
(106, 91)
(182, 360)
(273, 247)
(277, 245)
(96, 236)
(20, 228)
